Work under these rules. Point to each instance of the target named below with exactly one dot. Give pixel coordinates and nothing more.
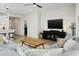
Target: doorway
(25, 27)
(14, 23)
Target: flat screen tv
(55, 24)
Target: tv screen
(55, 24)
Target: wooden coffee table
(33, 42)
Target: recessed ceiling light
(7, 8)
(34, 5)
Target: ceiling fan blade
(37, 5)
(33, 4)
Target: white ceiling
(19, 8)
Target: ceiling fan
(34, 4)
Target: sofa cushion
(61, 42)
(1, 40)
(69, 44)
(5, 39)
(20, 52)
(53, 52)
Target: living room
(27, 20)
(36, 16)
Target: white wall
(77, 19)
(22, 25)
(19, 23)
(39, 14)
(37, 21)
(4, 20)
(32, 25)
(66, 12)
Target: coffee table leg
(43, 46)
(22, 43)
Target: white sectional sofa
(70, 48)
(7, 47)
(7, 52)
(10, 48)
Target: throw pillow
(61, 42)
(1, 40)
(5, 39)
(68, 36)
(69, 44)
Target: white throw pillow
(69, 44)
(5, 39)
(67, 37)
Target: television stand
(53, 35)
